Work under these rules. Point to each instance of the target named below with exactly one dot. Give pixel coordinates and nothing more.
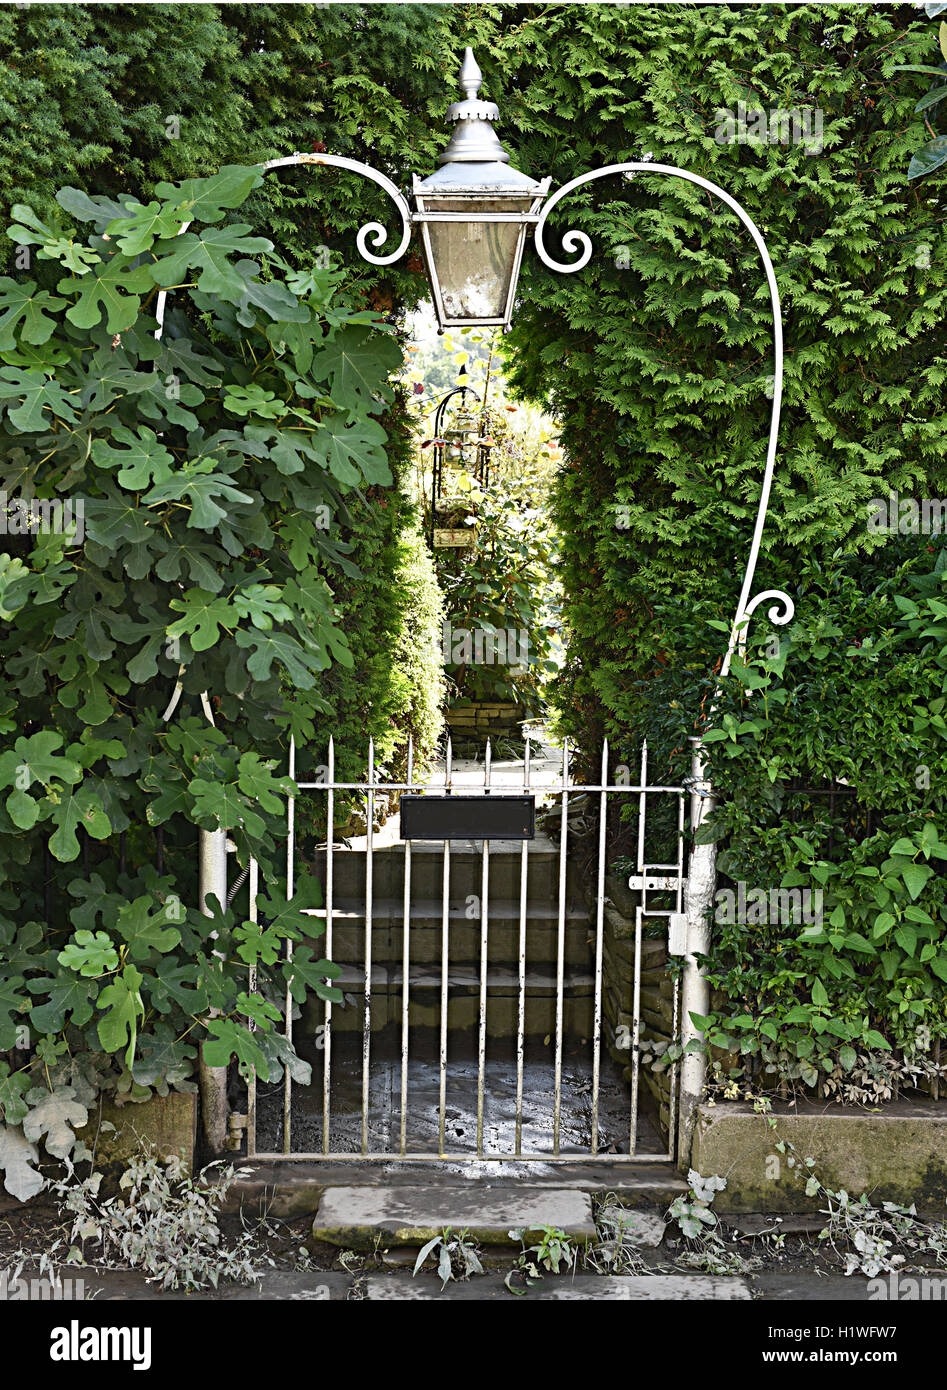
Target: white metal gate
(660, 887)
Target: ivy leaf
(55, 1115)
(208, 251)
(69, 812)
(69, 995)
(111, 290)
(352, 452)
(350, 363)
(143, 224)
(119, 1025)
(206, 199)
(142, 462)
(36, 392)
(29, 306)
(282, 647)
(204, 615)
(89, 953)
(146, 932)
(17, 1157)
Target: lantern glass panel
(474, 260)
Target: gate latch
(677, 934)
(654, 882)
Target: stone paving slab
(639, 1226)
(354, 1217)
(296, 1189)
(623, 1288)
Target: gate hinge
(236, 1123)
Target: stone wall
(895, 1153)
(474, 721)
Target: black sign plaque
(468, 817)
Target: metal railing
(665, 879)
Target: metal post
(212, 1081)
(695, 993)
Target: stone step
(463, 1000)
(542, 932)
(358, 1217)
(464, 978)
(295, 1189)
(466, 868)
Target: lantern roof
(474, 160)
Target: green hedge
(830, 763)
(658, 358)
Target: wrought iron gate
(339, 1120)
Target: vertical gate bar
(484, 930)
(367, 1025)
(676, 987)
(291, 855)
(254, 888)
(639, 913)
(327, 1035)
(599, 946)
(561, 947)
(406, 967)
(635, 1034)
(521, 981)
(445, 958)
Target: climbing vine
(176, 515)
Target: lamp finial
(471, 78)
(474, 140)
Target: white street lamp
(474, 213)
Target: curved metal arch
(580, 241)
(373, 230)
